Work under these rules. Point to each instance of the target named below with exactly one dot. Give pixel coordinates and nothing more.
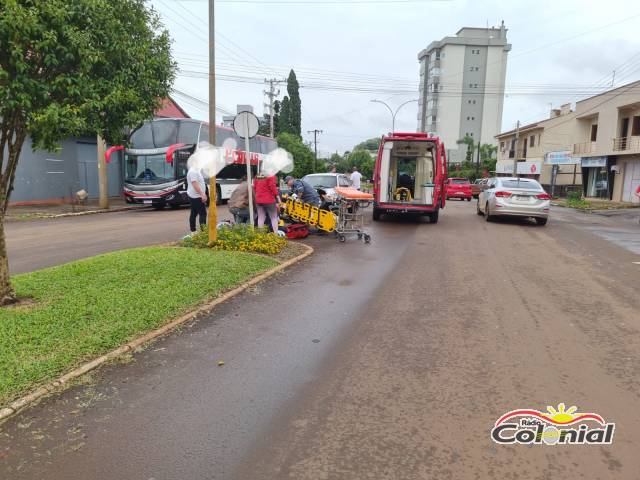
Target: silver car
(518, 197)
(328, 182)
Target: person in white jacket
(356, 176)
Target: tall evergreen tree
(283, 120)
(295, 104)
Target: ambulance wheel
(376, 214)
(433, 217)
(341, 237)
(367, 238)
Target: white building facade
(462, 87)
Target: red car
(459, 188)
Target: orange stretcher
(352, 194)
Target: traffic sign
(246, 124)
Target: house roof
(170, 109)
(523, 128)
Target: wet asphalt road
(388, 361)
(35, 244)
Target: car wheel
(487, 215)
(478, 211)
(541, 221)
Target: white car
(518, 197)
(327, 182)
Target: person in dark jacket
(267, 200)
(239, 202)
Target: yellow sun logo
(562, 414)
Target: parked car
(518, 197)
(327, 182)
(477, 186)
(459, 188)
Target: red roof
(170, 109)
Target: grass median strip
(88, 307)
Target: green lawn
(88, 307)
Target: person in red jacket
(267, 200)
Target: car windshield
(528, 184)
(321, 181)
(141, 169)
(459, 181)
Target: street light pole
(213, 214)
(393, 114)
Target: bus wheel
(218, 195)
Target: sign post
(246, 125)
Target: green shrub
(575, 200)
(241, 238)
(574, 196)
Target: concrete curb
(21, 403)
(78, 214)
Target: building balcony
(584, 148)
(626, 145)
(520, 154)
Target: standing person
(356, 176)
(332, 169)
(196, 191)
(239, 202)
(305, 192)
(267, 200)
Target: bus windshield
(141, 169)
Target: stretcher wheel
(367, 238)
(359, 236)
(341, 237)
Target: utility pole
(103, 181)
(213, 214)
(515, 151)
(315, 146)
(478, 161)
(272, 94)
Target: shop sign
(587, 162)
(560, 158)
(504, 166)
(529, 168)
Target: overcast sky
(347, 54)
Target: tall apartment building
(462, 87)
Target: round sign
(246, 124)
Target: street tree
(471, 146)
(371, 144)
(302, 155)
(283, 119)
(72, 67)
(363, 161)
(295, 104)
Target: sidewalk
(28, 212)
